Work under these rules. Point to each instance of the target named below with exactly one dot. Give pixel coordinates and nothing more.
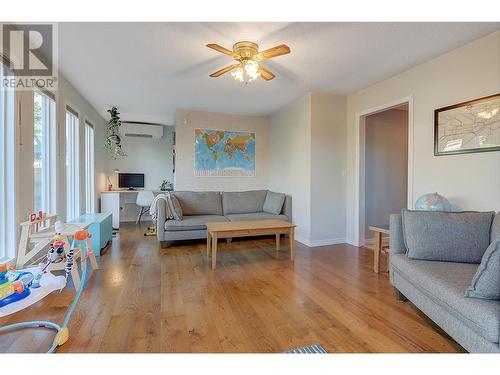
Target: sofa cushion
(199, 202)
(495, 227)
(255, 216)
(273, 202)
(486, 281)
(243, 202)
(445, 283)
(197, 222)
(174, 207)
(447, 236)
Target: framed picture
(221, 153)
(472, 126)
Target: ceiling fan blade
(282, 49)
(224, 70)
(266, 74)
(221, 49)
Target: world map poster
(220, 153)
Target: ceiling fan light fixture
(252, 70)
(248, 71)
(247, 56)
(238, 74)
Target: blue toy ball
(432, 202)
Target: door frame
(359, 196)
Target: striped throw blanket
(154, 206)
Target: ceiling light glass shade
(246, 72)
(238, 74)
(252, 69)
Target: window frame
(8, 226)
(49, 154)
(72, 163)
(89, 167)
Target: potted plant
(113, 140)
(166, 186)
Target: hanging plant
(113, 142)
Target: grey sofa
(437, 288)
(198, 208)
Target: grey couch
(198, 208)
(437, 288)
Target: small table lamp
(110, 185)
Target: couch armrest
(287, 207)
(160, 220)
(396, 240)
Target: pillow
(174, 207)
(486, 282)
(446, 236)
(274, 203)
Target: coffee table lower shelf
(218, 230)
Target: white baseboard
(316, 243)
(327, 241)
(302, 240)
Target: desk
(377, 248)
(114, 201)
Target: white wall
(150, 156)
(307, 161)
(470, 181)
(328, 157)
(386, 164)
(153, 157)
(187, 121)
(290, 160)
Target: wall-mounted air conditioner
(141, 129)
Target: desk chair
(144, 200)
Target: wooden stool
(377, 247)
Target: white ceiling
(148, 70)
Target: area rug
(309, 349)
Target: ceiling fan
(247, 56)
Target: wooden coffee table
(229, 229)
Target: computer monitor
(131, 180)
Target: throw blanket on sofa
(154, 204)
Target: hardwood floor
(147, 299)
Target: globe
(432, 202)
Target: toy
(69, 262)
(38, 219)
(11, 291)
(32, 243)
(151, 231)
(36, 281)
(54, 255)
(62, 334)
(82, 236)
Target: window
(89, 168)
(7, 176)
(45, 153)
(72, 165)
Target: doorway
(384, 165)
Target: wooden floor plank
(147, 299)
